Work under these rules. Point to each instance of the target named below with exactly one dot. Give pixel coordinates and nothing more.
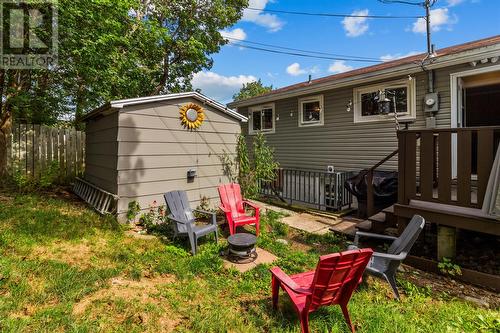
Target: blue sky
(454, 22)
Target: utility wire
(301, 50)
(431, 2)
(332, 14)
(305, 55)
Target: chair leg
(275, 285)
(192, 241)
(304, 321)
(392, 281)
(347, 317)
(216, 236)
(257, 229)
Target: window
(366, 107)
(311, 111)
(261, 119)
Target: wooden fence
(33, 149)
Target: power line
(305, 55)
(332, 14)
(301, 50)
(423, 4)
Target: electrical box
(191, 173)
(430, 122)
(431, 102)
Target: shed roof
(414, 61)
(120, 104)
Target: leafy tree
(252, 89)
(111, 49)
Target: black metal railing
(316, 189)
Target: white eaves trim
(120, 104)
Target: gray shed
(138, 149)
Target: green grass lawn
(64, 268)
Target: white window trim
(260, 108)
(317, 98)
(412, 103)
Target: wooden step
(366, 225)
(389, 209)
(378, 218)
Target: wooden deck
(426, 185)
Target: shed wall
(100, 152)
(154, 153)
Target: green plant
(154, 216)
(250, 172)
(204, 203)
(25, 183)
(447, 267)
(49, 175)
(133, 209)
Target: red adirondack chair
(333, 282)
(233, 205)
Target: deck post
(446, 242)
(370, 205)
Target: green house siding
(341, 142)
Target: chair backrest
(337, 275)
(230, 197)
(409, 236)
(178, 206)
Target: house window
(261, 119)
(366, 108)
(311, 111)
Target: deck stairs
(379, 222)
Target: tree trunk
(4, 135)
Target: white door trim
(454, 106)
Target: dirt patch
(443, 284)
(81, 254)
(138, 295)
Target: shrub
(154, 217)
(249, 173)
(29, 183)
(133, 210)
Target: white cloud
(339, 66)
(389, 57)
(452, 3)
(439, 17)
(270, 21)
(295, 70)
(356, 26)
(237, 33)
(220, 87)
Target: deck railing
(425, 164)
(321, 190)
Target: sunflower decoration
(192, 115)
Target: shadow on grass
(285, 318)
(34, 218)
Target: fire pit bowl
(242, 248)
